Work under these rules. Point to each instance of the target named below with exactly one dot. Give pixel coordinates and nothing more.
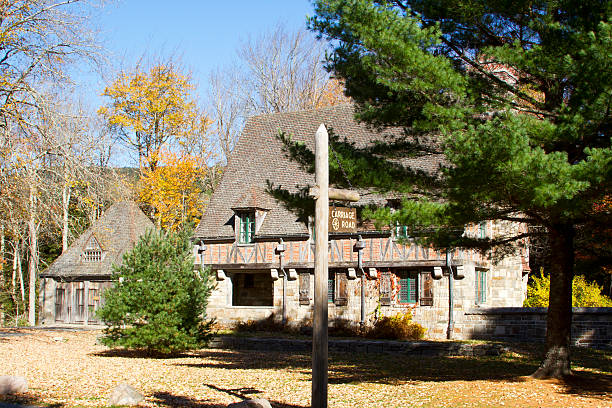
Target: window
(92, 251)
(426, 295)
(481, 286)
(246, 227)
(80, 304)
(60, 304)
(252, 289)
(385, 289)
(331, 286)
(93, 303)
(401, 231)
(482, 230)
(337, 288)
(407, 287)
(305, 288)
(249, 281)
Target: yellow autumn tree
(149, 109)
(174, 188)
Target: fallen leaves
(77, 372)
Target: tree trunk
(556, 363)
(65, 206)
(17, 270)
(33, 261)
(2, 277)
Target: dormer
(92, 252)
(249, 215)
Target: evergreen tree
(158, 302)
(515, 94)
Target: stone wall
(413, 348)
(591, 326)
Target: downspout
(280, 248)
(451, 322)
(359, 246)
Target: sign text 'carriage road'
(342, 219)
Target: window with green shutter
(331, 287)
(407, 287)
(482, 230)
(246, 227)
(401, 231)
(481, 286)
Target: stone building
(72, 286)
(263, 254)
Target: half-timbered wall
(504, 282)
(378, 251)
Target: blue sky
(205, 33)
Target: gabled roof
(115, 232)
(258, 157)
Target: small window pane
(481, 286)
(407, 289)
(246, 228)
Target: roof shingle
(258, 158)
(116, 232)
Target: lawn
(68, 369)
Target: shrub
(345, 328)
(584, 293)
(158, 302)
(399, 327)
(271, 323)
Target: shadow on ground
(515, 366)
(593, 372)
(124, 353)
(171, 400)
(25, 401)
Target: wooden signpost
(322, 193)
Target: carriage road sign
(342, 219)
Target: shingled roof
(258, 157)
(115, 232)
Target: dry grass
(67, 369)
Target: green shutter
(407, 292)
(481, 286)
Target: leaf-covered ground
(68, 369)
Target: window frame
(245, 231)
(411, 289)
(480, 286)
(400, 231)
(482, 230)
(331, 287)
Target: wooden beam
(319, 332)
(336, 194)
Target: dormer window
(92, 251)
(246, 227)
(401, 231)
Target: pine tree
(158, 302)
(515, 95)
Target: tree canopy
(148, 109)
(515, 95)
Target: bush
(271, 323)
(158, 302)
(399, 327)
(345, 328)
(584, 293)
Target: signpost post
(322, 193)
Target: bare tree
(278, 71)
